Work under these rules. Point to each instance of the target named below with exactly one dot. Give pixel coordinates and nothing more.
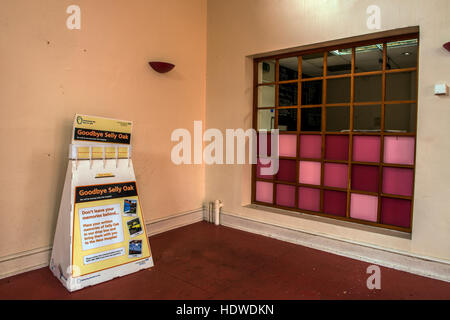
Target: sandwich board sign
(100, 233)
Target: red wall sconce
(161, 67)
(447, 46)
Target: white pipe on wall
(217, 205)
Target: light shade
(161, 67)
(446, 46)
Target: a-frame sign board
(100, 232)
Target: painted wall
(49, 73)
(237, 29)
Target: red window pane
(365, 178)
(396, 212)
(309, 199)
(335, 202)
(336, 147)
(285, 195)
(287, 171)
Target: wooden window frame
(350, 133)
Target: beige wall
(237, 29)
(49, 73)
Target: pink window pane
(399, 150)
(364, 207)
(309, 199)
(287, 145)
(287, 170)
(264, 191)
(261, 165)
(285, 195)
(366, 149)
(336, 147)
(336, 175)
(396, 212)
(335, 202)
(398, 181)
(309, 172)
(310, 146)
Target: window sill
(341, 223)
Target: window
(347, 120)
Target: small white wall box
(441, 89)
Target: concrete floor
(203, 261)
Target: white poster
(100, 226)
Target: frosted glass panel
(266, 96)
(310, 172)
(336, 175)
(363, 207)
(287, 145)
(266, 71)
(398, 181)
(266, 119)
(366, 149)
(264, 191)
(285, 195)
(399, 150)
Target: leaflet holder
(84, 152)
(100, 233)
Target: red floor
(202, 261)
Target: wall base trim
(423, 267)
(173, 222)
(30, 260)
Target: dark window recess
(287, 73)
(311, 119)
(287, 94)
(287, 119)
(312, 92)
